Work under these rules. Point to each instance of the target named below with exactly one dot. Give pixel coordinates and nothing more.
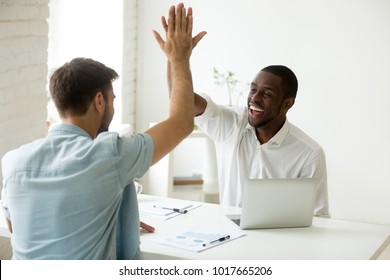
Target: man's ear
(99, 102)
(289, 102)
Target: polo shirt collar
(61, 127)
(278, 138)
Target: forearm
(199, 102)
(180, 122)
(177, 47)
(9, 224)
(169, 77)
(181, 93)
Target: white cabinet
(196, 147)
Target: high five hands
(178, 30)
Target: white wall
(340, 53)
(23, 70)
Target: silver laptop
(277, 203)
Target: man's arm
(199, 102)
(9, 224)
(177, 47)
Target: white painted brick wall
(129, 69)
(23, 71)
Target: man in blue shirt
(70, 195)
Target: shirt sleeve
(219, 122)
(317, 169)
(135, 155)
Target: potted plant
(229, 79)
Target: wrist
(178, 61)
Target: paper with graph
(199, 238)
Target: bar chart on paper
(198, 238)
(191, 238)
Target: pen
(217, 240)
(181, 211)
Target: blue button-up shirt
(63, 193)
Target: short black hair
(74, 85)
(289, 80)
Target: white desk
(327, 239)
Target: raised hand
(178, 29)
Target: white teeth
(255, 109)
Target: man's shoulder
(126, 147)
(23, 148)
(20, 154)
(116, 138)
(303, 137)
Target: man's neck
(264, 134)
(82, 122)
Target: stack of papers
(198, 238)
(165, 210)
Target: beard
(102, 129)
(106, 121)
(264, 122)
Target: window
(92, 29)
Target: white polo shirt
(289, 154)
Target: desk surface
(327, 239)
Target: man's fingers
(171, 19)
(197, 38)
(159, 40)
(164, 23)
(178, 31)
(189, 20)
(183, 19)
(146, 227)
(178, 22)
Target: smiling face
(265, 99)
(267, 104)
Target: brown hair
(75, 84)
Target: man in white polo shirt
(258, 141)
